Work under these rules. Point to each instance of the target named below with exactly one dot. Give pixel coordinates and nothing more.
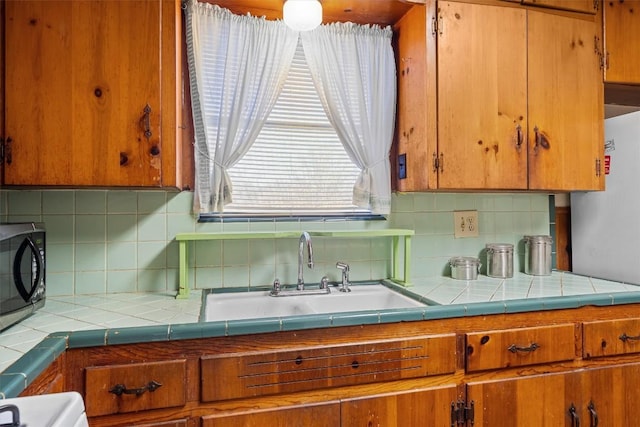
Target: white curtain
(237, 67)
(353, 68)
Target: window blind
(297, 166)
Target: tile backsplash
(107, 241)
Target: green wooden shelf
(401, 242)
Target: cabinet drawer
(519, 347)
(265, 372)
(610, 337)
(133, 387)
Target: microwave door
(27, 269)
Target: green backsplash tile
(522, 202)
(120, 202)
(25, 202)
(152, 228)
(152, 202)
(59, 284)
(424, 202)
(261, 251)
(122, 228)
(445, 202)
(403, 202)
(235, 252)
(262, 275)
(90, 256)
(180, 202)
(59, 257)
(91, 202)
(58, 202)
(504, 222)
(152, 255)
(235, 276)
(207, 277)
(90, 228)
(122, 256)
(503, 202)
(208, 253)
(90, 282)
(121, 281)
(60, 228)
(152, 280)
(179, 223)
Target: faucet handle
(345, 276)
(275, 290)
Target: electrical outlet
(465, 224)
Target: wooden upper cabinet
(622, 41)
(482, 96)
(415, 126)
(518, 96)
(566, 104)
(90, 99)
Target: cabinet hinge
(437, 26)
(461, 414)
(438, 162)
(598, 167)
(1, 151)
(596, 5)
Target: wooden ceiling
(381, 12)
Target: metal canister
(500, 260)
(464, 268)
(537, 258)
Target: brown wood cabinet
(467, 377)
(587, 6)
(622, 41)
(428, 407)
(518, 100)
(93, 94)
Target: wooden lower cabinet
(326, 414)
(605, 396)
(423, 407)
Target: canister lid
(464, 261)
(538, 239)
(500, 247)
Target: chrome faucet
(305, 238)
(344, 287)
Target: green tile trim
(90, 338)
(396, 233)
(12, 384)
(138, 334)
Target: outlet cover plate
(465, 224)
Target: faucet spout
(305, 240)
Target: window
(263, 142)
(297, 165)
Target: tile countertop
(28, 347)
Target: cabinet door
(414, 141)
(312, 415)
(566, 99)
(622, 40)
(422, 407)
(536, 401)
(611, 396)
(79, 76)
(482, 97)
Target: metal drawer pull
(624, 337)
(575, 420)
(120, 389)
(514, 348)
(593, 414)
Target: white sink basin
(47, 410)
(255, 305)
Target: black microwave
(22, 271)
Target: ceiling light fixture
(302, 15)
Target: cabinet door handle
(540, 139)
(519, 137)
(120, 389)
(145, 121)
(624, 337)
(575, 420)
(7, 150)
(593, 415)
(515, 349)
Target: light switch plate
(465, 224)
